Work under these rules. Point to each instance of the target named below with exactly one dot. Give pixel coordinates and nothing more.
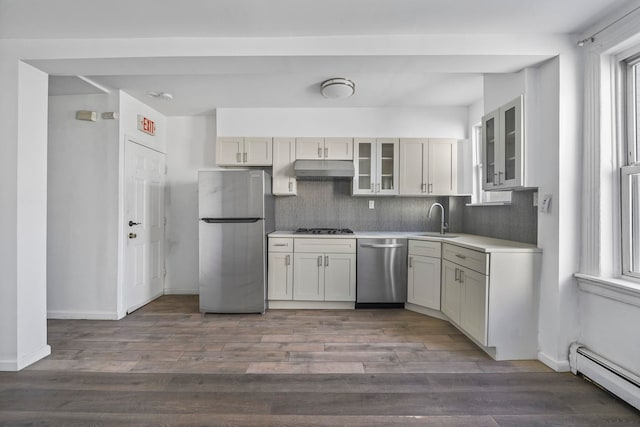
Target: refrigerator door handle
(230, 220)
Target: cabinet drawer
(425, 248)
(337, 246)
(474, 260)
(280, 244)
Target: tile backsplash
(329, 203)
(518, 221)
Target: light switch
(371, 204)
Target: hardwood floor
(166, 364)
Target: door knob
(132, 235)
(131, 223)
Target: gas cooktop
(323, 231)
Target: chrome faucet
(443, 225)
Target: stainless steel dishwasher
(381, 273)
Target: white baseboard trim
(82, 315)
(178, 291)
(556, 365)
(24, 361)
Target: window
(630, 173)
(480, 196)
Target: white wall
(552, 101)
(23, 322)
(190, 147)
(82, 209)
(445, 122)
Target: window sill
(616, 289)
(473, 205)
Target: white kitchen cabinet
(280, 276)
(239, 151)
(376, 166)
(503, 147)
(280, 269)
(308, 276)
(491, 298)
(284, 157)
(423, 278)
(451, 291)
(428, 167)
(324, 148)
(324, 270)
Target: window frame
(628, 98)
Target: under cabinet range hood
(324, 169)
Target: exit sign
(146, 125)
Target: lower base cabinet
(280, 276)
(423, 274)
(491, 298)
(307, 269)
(324, 277)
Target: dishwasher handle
(381, 246)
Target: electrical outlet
(371, 204)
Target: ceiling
(201, 84)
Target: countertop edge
(481, 243)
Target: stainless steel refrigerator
(236, 212)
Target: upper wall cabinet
(376, 166)
(284, 157)
(324, 148)
(428, 167)
(502, 147)
(239, 151)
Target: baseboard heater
(606, 374)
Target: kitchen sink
(436, 234)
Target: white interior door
(144, 225)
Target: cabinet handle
(410, 262)
(280, 244)
(287, 260)
(238, 158)
(319, 260)
(319, 151)
(461, 276)
(457, 275)
(245, 157)
(326, 152)
(500, 174)
(378, 186)
(290, 186)
(372, 187)
(494, 179)
(430, 188)
(326, 260)
(461, 256)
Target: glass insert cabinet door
(376, 164)
(489, 138)
(503, 147)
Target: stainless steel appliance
(382, 273)
(236, 212)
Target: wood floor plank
(166, 364)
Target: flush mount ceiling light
(337, 88)
(162, 95)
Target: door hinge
(165, 221)
(164, 272)
(166, 169)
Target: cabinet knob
(132, 235)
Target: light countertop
(479, 243)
